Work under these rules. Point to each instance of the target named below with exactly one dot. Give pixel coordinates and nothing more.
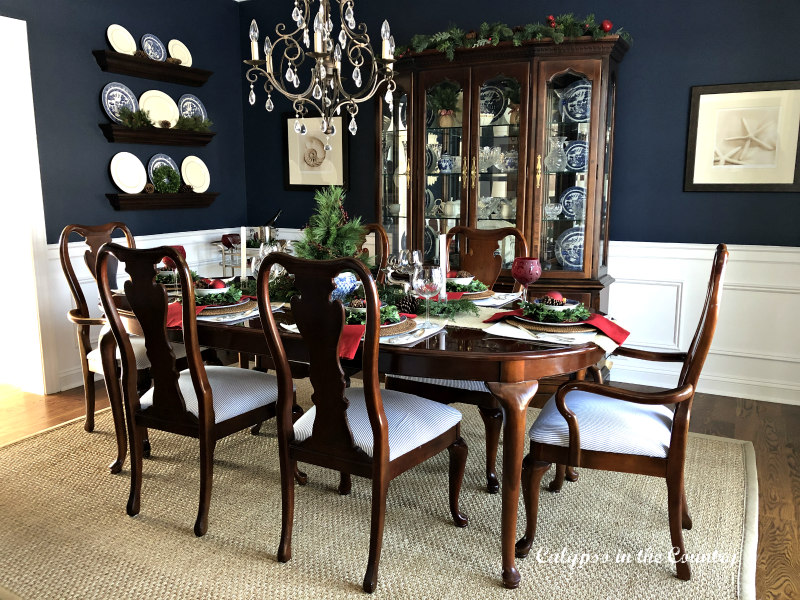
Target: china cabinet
(506, 136)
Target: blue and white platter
(493, 102)
(429, 116)
(158, 160)
(154, 47)
(573, 199)
(577, 155)
(190, 106)
(576, 101)
(569, 249)
(430, 160)
(115, 96)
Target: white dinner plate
(195, 173)
(120, 39)
(128, 173)
(177, 49)
(160, 107)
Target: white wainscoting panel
(658, 295)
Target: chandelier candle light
(363, 72)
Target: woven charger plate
(477, 295)
(553, 328)
(400, 327)
(227, 310)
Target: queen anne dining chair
(602, 427)
(481, 258)
(366, 431)
(204, 402)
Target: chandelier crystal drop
(335, 58)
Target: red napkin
(599, 322)
(452, 273)
(450, 296)
(350, 339)
(175, 314)
(408, 315)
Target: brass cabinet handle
(464, 167)
(538, 171)
(474, 172)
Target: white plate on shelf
(195, 173)
(128, 173)
(120, 39)
(160, 107)
(190, 106)
(115, 96)
(177, 49)
(154, 47)
(158, 160)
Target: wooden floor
(774, 430)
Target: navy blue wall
(677, 45)
(73, 154)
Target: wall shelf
(160, 201)
(155, 135)
(125, 64)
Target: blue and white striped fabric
(139, 350)
(412, 421)
(461, 384)
(607, 425)
(235, 391)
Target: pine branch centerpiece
(330, 233)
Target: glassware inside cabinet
(395, 172)
(565, 182)
(497, 161)
(445, 164)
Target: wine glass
(525, 270)
(427, 282)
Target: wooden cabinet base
(155, 135)
(125, 64)
(159, 201)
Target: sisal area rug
(64, 532)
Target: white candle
(386, 50)
(319, 47)
(254, 49)
(243, 246)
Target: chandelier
(329, 87)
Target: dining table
(510, 367)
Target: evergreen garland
(135, 120)
(558, 28)
(329, 232)
(166, 179)
(193, 123)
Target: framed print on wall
(744, 138)
(307, 164)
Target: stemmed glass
(427, 282)
(525, 270)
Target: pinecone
(165, 124)
(550, 301)
(141, 54)
(408, 304)
(149, 188)
(463, 274)
(358, 303)
(185, 188)
(173, 61)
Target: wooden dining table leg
(514, 399)
(111, 375)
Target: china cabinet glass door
(446, 163)
(565, 186)
(395, 209)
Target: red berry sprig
(606, 25)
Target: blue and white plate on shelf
(429, 243)
(577, 156)
(430, 116)
(158, 160)
(190, 106)
(153, 47)
(569, 249)
(115, 96)
(430, 159)
(573, 199)
(430, 201)
(576, 101)
(493, 102)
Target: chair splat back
(147, 301)
(320, 321)
(480, 257)
(94, 236)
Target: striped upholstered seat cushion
(137, 342)
(235, 391)
(412, 421)
(607, 425)
(461, 384)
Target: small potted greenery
(443, 101)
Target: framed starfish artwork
(744, 138)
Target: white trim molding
(658, 294)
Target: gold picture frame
(307, 164)
(744, 138)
